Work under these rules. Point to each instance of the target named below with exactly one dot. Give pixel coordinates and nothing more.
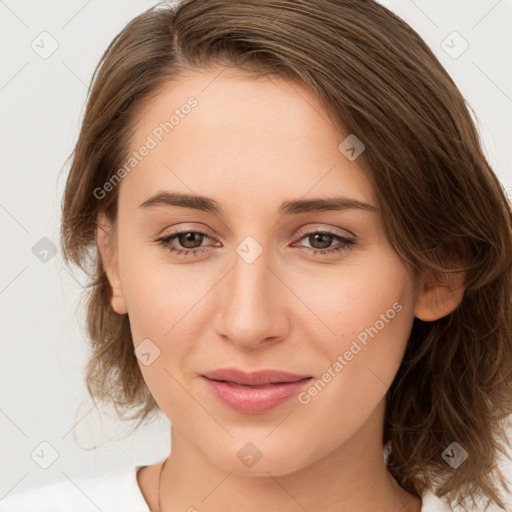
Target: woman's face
(250, 292)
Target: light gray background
(43, 397)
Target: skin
(251, 144)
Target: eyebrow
(292, 207)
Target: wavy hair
(443, 208)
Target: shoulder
(432, 503)
(109, 492)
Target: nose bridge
(252, 307)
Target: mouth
(254, 398)
(258, 386)
(256, 378)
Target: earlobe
(106, 242)
(440, 297)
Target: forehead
(219, 132)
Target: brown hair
(443, 208)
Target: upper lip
(255, 378)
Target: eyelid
(302, 232)
(187, 229)
(346, 241)
(330, 230)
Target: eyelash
(346, 243)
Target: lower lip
(252, 399)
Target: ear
(105, 239)
(439, 296)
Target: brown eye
(191, 242)
(320, 240)
(190, 239)
(184, 242)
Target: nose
(253, 301)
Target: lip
(256, 392)
(255, 378)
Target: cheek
(165, 306)
(161, 312)
(158, 296)
(349, 299)
(366, 317)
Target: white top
(113, 492)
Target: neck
(347, 479)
